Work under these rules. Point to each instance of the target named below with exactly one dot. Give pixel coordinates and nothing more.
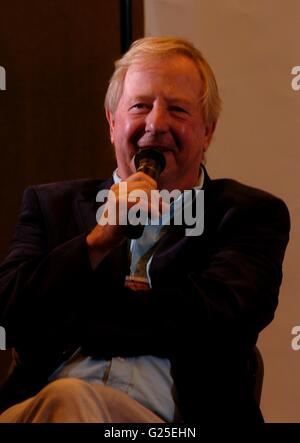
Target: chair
(256, 368)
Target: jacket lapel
(168, 262)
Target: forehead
(176, 73)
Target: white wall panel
(252, 47)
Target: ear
(111, 122)
(209, 131)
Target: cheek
(125, 130)
(192, 139)
(191, 135)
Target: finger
(141, 176)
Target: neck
(182, 184)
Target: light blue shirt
(145, 378)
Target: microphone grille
(153, 158)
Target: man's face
(160, 107)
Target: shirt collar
(199, 185)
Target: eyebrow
(172, 100)
(180, 100)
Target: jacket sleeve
(41, 290)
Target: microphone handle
(136, 231)
(150, 170)
(151, 162)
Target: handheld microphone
(152, 162)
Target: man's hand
(106, 237)
(136, 285)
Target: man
(158, 329)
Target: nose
(157, 120)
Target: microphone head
(151, 161)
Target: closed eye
(139, 106)
(178, 109)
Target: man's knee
(63, 390)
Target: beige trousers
(70, 400)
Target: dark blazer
(211, 295)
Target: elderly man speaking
(157, 327)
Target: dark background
(58, 56)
